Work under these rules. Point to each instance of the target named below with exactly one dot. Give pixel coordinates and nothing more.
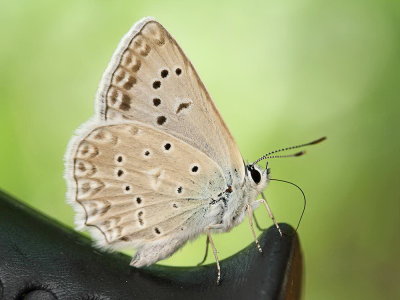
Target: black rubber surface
(40, 259)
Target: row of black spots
(147, 153)
(164, 74)
(156, 85)
(156, 102)
(120, 160)
(167, 147)
(140, 218)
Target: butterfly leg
(216, 257)
(250, 213)
(206, 254)
(264, 201)
(215, 252)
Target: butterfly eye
(255, 175)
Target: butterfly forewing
(137, 184)
(151, 80)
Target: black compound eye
(255, 175)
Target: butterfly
(157, 166)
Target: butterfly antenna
(304, 197)
(290, 155)
(268, 155)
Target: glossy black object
(41, 259)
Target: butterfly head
(258, 176)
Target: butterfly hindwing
(151, 80)
(137, 184)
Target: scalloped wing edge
(80, 213)
(100, 100)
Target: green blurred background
(280, 72)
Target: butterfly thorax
(231, 206)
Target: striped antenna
(268, 155)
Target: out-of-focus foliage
(281, 73)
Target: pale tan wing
(137, 184)
(152, 81)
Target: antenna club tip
(299, 153)
(319, 140)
